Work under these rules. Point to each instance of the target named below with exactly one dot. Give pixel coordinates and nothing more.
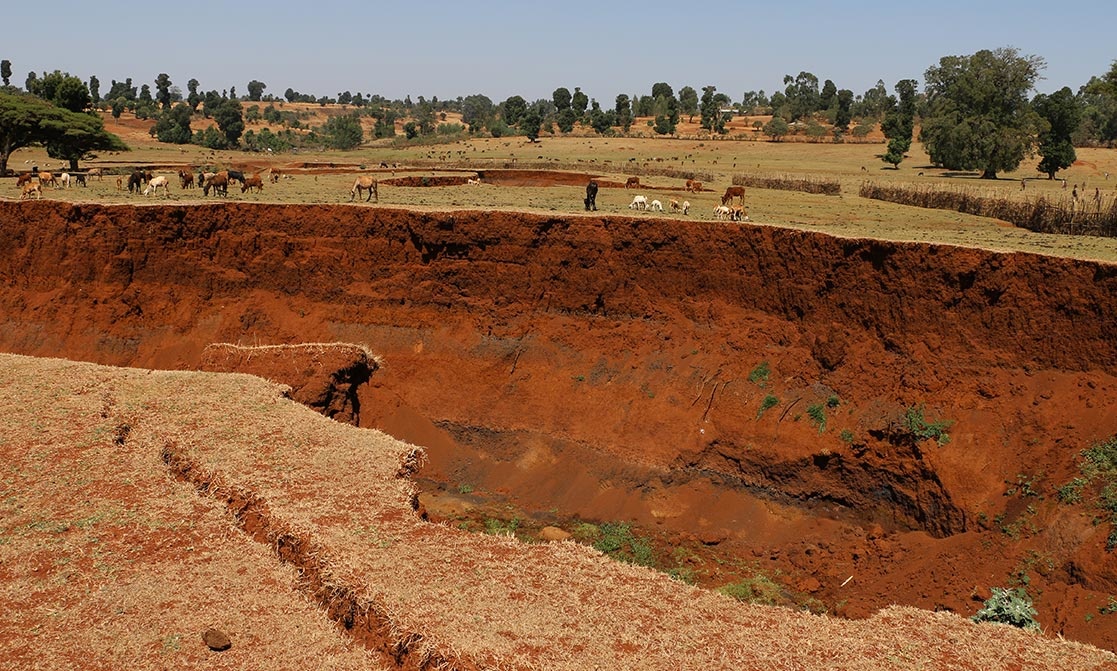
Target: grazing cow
(738, 213)
(252, 181)
(632, 183)
(47, 179)
(64, 178)
(686, 207)
(24, 178)
(218, 182)
(236, 175)
(156, 183)
(721, 212)
(591, 196)
(693, 186)
(674, 204)
(186, 179)
(273, 176)
(655, 206)
(31, 189)
(732, 192)
(638, 203)
(365, 183)
(99, 173)
(79, 177)
(136, 181)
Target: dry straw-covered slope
(140, 508)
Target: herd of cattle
(31, 185)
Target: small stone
(216, 640)
(553, 534)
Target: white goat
(638, 203)
(655, 206)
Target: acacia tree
(1062, 113)
(26, 120)
(899, 123)
(979, 116)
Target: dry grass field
(661, 163)
(136, 516)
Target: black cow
(236, 175)
(591, 196)
(136, 180)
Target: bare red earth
(601, 367)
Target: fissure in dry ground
(745, 393)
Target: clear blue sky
(451, 49)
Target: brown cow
(693, 186)
(186, 178)
(632, 183)
(219, 183)
(47, 179)
(274, 176)
(31, 188)
(732, 192)
(24, 178)
(252, 181)
(365, 183)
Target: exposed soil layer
(748, 387)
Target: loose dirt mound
(767, 392)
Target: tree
(476, 111)
(566, 119)
(290, 95)
(62, 89)
(844, 113)
(688, 101)
(561, 98)
(579, 101)
(512, 109)
(709, 108)
(173, 125)
(6, 72)
(95, 89)
(1062, 113)
(802, 95)
(979, 116)
(193, 98)
(899, 123)
(776, 128)
(623, 108)
(530, 122)
(256, 90)
(828, 97)
(74, 136)
(163, 90)
(230, 120)
(343, 132)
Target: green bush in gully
(1009, 606)
(1098, 469)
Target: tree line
(974, 113)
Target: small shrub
(1009, 606)
(917, 425)
(501, 528)
(758, 589)
(833, 401)
(759, 375)
(846, 436)
(769, 401)
(817, 414)
(618, 541)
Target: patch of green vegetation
(465, 488)
(846, 436)
(1098, 469)
(817, 414)
(758, 589)
(501, 527)
(1024, 486)
(1009, 606)
(918, 426)
(769, 401)
(618, 541)
(759, 375)
(1109, 608)
(833, 401)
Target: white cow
(156, 183)
(638, 203)
(686, 206)
(722, 212)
